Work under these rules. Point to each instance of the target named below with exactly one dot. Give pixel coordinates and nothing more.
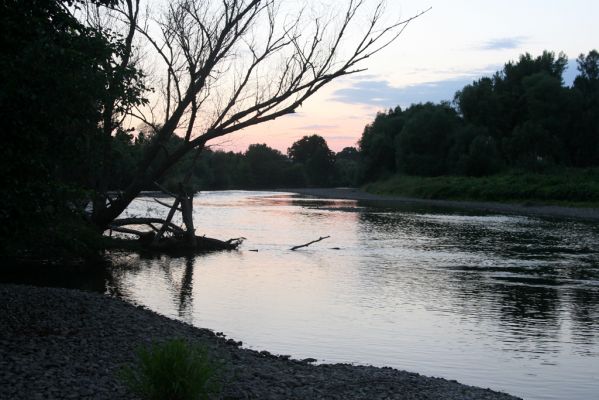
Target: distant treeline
(523, 117)
(308, 162)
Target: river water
(499, 301)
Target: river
(500, 301)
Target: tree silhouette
(225, 66)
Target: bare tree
(222, 66)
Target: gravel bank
(63, 344)
(589, 214)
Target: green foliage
(267, 167)
(173, 370)
(61, 238)
(377, 144)
(313, 153)
(482, 157)
(578, 187)
(424, 142)
(55, 76)
(521, 117)
(348, 167)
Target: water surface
(506, 302)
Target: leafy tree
(457, 157)
(509, 84)
(532, 147)
(377, 144)
(348, 153)
(501, 103)
(267, 166)
(317, 159)
(348, 169)
(423, 144)
(479, 104)
(588, 67)
(53, 80)
(584, 143)
(482, 157)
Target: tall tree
(53, 78)
(377, 144)
(266, 166)
(423, 144)
(584, 142)
(317, 159)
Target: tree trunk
(169, 218)
(143, 178)
(187, 212)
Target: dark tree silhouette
(233, 64)
(314, 154)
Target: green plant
(173, 370)
(561, 186)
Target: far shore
(588, 214)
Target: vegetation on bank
(520, 135)
(568, 187)
(523, 117)
(173, 370)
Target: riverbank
(589, 214)
(568, 187)
(60, 344)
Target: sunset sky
(440, 52)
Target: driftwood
(309, 243)
(174, 246)
(170, 238)
(201, 244)
(143, 221)
(177, 243)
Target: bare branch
(309, 243)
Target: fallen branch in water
(309, 243)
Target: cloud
(506, 43)
(373, 91)
(382, 94)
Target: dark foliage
(522, 117)
(54, 75)
(310, 163)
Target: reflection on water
(507, 302)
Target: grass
(173, 370)
(569, 187)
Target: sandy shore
(589, 214)
(63, 344)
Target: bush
(173, 370)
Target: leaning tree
(219, 67)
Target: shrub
(173, 370)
